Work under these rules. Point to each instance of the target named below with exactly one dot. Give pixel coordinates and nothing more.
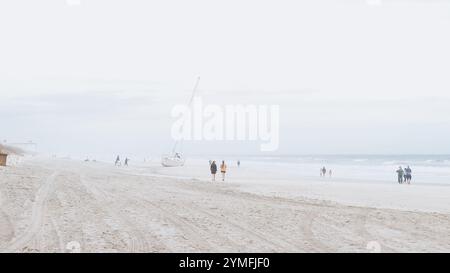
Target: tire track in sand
(199, 233)
(188, 229)
(6, 227)
(277, 238)
(138, 242)
(37, 217)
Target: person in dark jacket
(117, 161)
(408, 175)
(213, 169)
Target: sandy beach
(333, 119)
(56, 205)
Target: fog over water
(95, 78)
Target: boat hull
(170, 161)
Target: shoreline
(424, 197)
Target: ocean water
(427, 169)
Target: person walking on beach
(323, 172)
(400, 173)
(223, 170)
(408, 175)
(117, 161)
(330, 172)
(126, 161)
(213, 169)
(239, 163)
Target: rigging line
(189, 105)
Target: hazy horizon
(97, 77)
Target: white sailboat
(176, 158)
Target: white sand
(47, 204)
(283, 182)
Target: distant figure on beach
(117, 161)
(213, 169)
(323, 172)
(408, 175)
(330, 172)
(223, 170)
(126, 161)
(239, 163)
(400, 173)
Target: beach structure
(3, 159)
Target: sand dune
(63, 205)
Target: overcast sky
(99, 77)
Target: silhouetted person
(408, 175)
(213, 169)
(400, 174)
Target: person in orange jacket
(223, 170)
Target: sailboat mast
(190, 103)
(193, 91)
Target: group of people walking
(118, 162)
(223, 168)
(213, 169)
(404, 175)
(323, 172)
